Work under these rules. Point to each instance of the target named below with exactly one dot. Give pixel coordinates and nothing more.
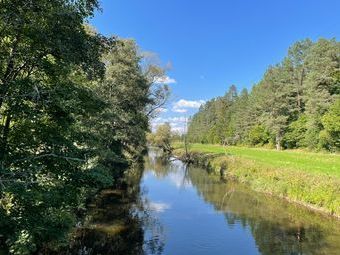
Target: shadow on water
(115, 223)
(109, 225)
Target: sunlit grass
(321, 163)
(311, 179)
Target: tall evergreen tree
(285, 108)
(323, 63)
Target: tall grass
(311, 179)
(321, 163)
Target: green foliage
(321, 82)
(295, 136)
(74, 109)
(258, 135)
(162, 137)
(289, 103)
(330, 136)
(24, 244)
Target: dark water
(197, 213)
(185, 210)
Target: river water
(194, 212)
(175, 209)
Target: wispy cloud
(164, 80)
(182, 105)
(179, 179)
(161, 110)
(181, 119)
(178, 129)
(179, 110)
(177, 123)
(159, 206)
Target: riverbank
(310, 179)
(109, 224)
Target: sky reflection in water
(198, 213)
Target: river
(186, 210)
(199, 213)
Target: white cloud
(180, 130)
(158, 119)
(181, 119)
(164, 80)
(159, 207)
(179, 110)
(178, 178)
(161, 110)
(180, 105)
(189, 104)
(177, 124)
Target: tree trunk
(3, 93)
(5, 132)
(299, 98)
(278, 141)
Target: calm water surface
(190, 211)
(174, 209)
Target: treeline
(74, 109)
(162, 138)
(296, 104)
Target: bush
(258, 135)
(329, 138)
(295, 136)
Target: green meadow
(321, 163)
(307, 178)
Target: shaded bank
(314, 190)
(111, 225)
(115, 222)
(111, 228)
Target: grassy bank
(311, 179)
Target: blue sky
(213, 44)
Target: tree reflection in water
(278, 227)
(125, 221)
(116, 223)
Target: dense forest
(74, 110)
(295, 105)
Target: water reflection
(110, 228)
(116, 222)
(202, 214)
(175, 209)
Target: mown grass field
(311, 179)
(320, 163)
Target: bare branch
(50, 155)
